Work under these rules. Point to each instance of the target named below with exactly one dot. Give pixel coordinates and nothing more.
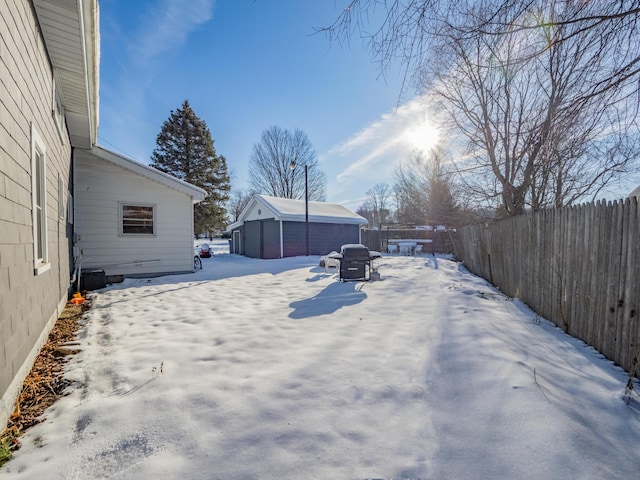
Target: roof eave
(70, 29)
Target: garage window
(137, 219)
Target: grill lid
(355, 251)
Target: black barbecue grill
(356, 262)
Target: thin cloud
(371, 155)
(372, 158)
(367, 136)
(167, 28)
(162, 32)
(377, 149)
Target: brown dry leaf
(45, 383)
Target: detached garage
(271, 227)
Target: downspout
(281, 241)
(75, 253)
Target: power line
(115, 147)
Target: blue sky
(245, 65)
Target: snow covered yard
(274, 369)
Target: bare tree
(366, 211)
(411, 30)
(378, 198)
(410, 191)
(237, 202)
(270, 169)
(543, 93)
(533, 137)
(442, 209)
(425, 192)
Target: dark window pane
(137, 219)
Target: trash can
(93, 280)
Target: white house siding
(99, 189)
(29, 303)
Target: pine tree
(184, 149)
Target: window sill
(41, 268)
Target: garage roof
(197, 194)
(287, 209)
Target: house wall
(323, 237)
(100, 186)
(30, 303)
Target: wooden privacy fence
(577, 266)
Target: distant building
(272, 227)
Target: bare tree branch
(270, 169)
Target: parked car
(205, 250)
(197, 262)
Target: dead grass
(45, 383)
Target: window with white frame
(137, 219)
(39, 202)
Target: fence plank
(631, 335)
(592, 235)
(608, 338)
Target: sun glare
(422, 136)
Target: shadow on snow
(332, 298)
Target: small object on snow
(78, 299)
(328, 261)
(629, 389)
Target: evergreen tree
(184, 149)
